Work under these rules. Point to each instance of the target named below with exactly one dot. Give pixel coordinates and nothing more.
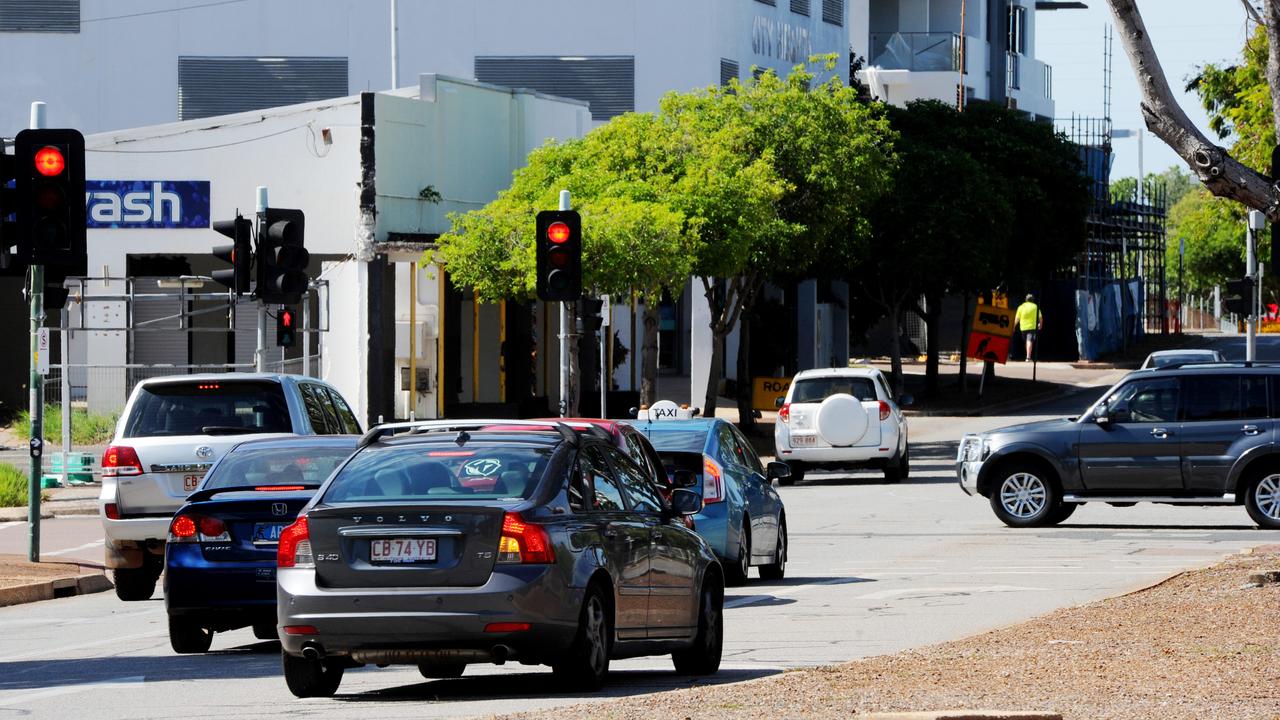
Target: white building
(914, 49)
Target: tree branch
(1222, 175)
(1253, 13)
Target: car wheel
(797, 473)
(899, 469)
(1061, 513)
(133, 584)
(189, 636)
(586, 664)
(265, 631)
(777, 570)
(738, 570)
(1262, 500)
(441, 671)
(1024, 497)
(703, 656)
(311, 678)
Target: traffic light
(282, 259)
(286, 328)
(1239, 297)
(239, 254)
(559, 255)
(49, 178)
(590, 315)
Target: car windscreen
(817, 389)
(218, 407)
(676, 439)
(440, 473)
(277, 466)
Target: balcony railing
(1014, 71)
(916, 51)
(1048, 81)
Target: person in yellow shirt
(1030, 322)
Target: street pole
(395, 46)
(1182, 250)
(260, 355)
(605, 336)
(564, 335)
(1257, 221)
(64, 341)
(35, 404)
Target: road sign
(42, 351)
(991, 348)
(995, 321)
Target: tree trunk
(1222, 175)
(895, 353)
(964, 343)
(933, 343)
(1271, 8)
(649, 362)
(713, 376)
(746, 418)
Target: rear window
(209, 408)
(1163, 360)
(277, 466)
(815, 390)
(677, 440)
(440, 473)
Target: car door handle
(1250, 430)
(1160, 433)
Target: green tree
(1214, 229)
(1238, 102)
(1175, 183)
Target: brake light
(884, 411)
(712, 481)
(182, 528)
(524, 542)
(294, 549)
(301, 630)
(212, 528)
(190, 528)
(112, 511)
(784, 412)
(506, 627)
(279, 488)
(120, 460)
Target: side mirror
(777, 402)
(906, 400)
(633, 413)
(685, 502)
(777, 470)
(756, 414)
(1101, 415)
(683, 479)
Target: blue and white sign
(140, 204)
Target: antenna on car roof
(463, 437)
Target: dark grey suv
(1197, 434)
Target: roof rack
(1218, 363)
(424, 426)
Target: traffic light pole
(564, 335)
(1257, 221)
(36, 401)
(260, 355)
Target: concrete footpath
(25, 582)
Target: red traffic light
(50, 162)
(558, 232)
(286, 318)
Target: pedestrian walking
(1030, 322)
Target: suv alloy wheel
(1025, 497)
(1262, 500)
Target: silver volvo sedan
(439, 544)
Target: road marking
(14, 523)
(86, 546)
(42, 694)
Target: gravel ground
(1204, 644)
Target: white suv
(171, 431)
(842, 418)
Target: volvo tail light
(120, 460)
(294, 549)
(712, 481)
(524, 542)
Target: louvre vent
(608, 83)
(728, 71)
(833, 12)
(800, 7)
(209, 86)
(40, 16)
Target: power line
(162, 12)
(197, 149)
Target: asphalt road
(875, 569)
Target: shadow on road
(256, 660)
(931, 463)
(1124, 526)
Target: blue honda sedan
(742, 518)
(220, 559)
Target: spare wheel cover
(841, 420)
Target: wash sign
(140, 204)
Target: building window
(40, 16)
(833, 12)
(800, 7)
(209, 86)
(1018, 29)
(607, 83)
(728, 71)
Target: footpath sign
(991, 333)
(765, 392)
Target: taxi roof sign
(666, 410)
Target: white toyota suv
(842, 418)
(171, 431)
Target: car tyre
(1025, 495)
(703, 656)
(1262, 500)
(777, 569)
(442, 671)
(586, 664)
(1061, 513)
(187, 636)
(899, 470)
(311, 678)
(739, 570)
(265, 631)
(797, 473)
(134, 584)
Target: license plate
(803, 440)
(266, 533)
(402, 550)
(191, 482)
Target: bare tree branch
(1223, 175)
(1253, 12)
